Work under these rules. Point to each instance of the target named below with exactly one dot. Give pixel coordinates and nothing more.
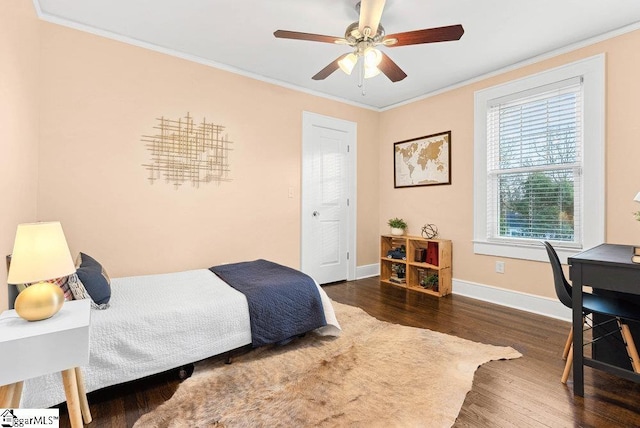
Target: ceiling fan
(365, 35)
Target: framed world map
(422, 161)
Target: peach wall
(451, 207)
(71, 151)
(19, 70)
(100, 96)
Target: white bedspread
(156, 323)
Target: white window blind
(534, 165)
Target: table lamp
(40, 253)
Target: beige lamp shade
(40, 253)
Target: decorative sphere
(39, 301)
(429, 231)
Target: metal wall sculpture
(183, 151)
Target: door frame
(309, 120)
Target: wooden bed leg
(227, 360)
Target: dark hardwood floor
(525, 392)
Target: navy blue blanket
(283, 302)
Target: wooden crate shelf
(438, 262)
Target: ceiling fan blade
(428, 35)
(325, 72)
(370, 14)
(284, 34)
(391, 69)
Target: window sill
(535, 252)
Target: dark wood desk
(606, 267)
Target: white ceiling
(238, 36)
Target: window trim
(592, 70)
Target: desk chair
(619, 310)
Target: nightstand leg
(17, 395)
(82, 393)
(71, 392)
(6, 395)
(10, 395)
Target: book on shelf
(397, 280)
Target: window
(534, 164)
(539, 143)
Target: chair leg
(567, 345)
(630, 345)
(567, 366)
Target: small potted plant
(400, 270)
(430, 281)
(398, 226)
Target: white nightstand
(58, 344)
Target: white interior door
(328, 205)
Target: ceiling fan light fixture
(370, 71)
(367, 33)
(372, 57)
(348, 63)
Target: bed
(156, 323)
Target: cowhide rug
(377, 374)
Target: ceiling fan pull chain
(361, 74)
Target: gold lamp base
(39, 301)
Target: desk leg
(71, 393)
(82, 392)
(578, 351)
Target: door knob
(316, 214)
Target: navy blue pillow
(94, 278)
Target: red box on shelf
(432, 253)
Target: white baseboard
(513, 299)
(367, 271)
